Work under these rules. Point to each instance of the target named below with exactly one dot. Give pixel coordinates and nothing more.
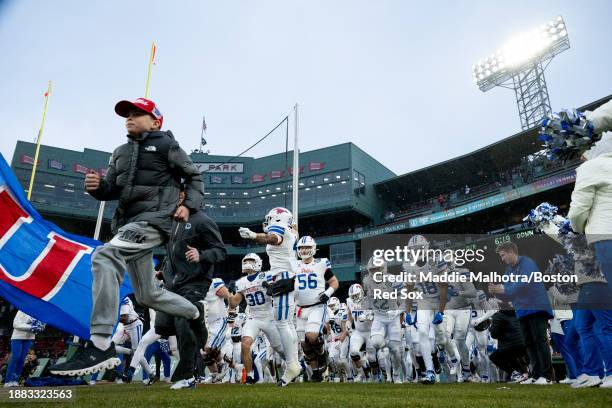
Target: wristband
(329, 291)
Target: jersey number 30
(256, 298)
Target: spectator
(530, 300)
(591, 206)
(466, 190)
(510, 355)
(30, 365)
(559, 326)
(24, 327)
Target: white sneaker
(188, 383)
(607, 382)
(528, 381)
(92, 382)
(585, 381)
(11, 384)
(542, 381)
(567, 381)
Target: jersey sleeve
(277, 230)
(217, 284)
(328, 274)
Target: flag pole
(151, 59)
(38, 141)
(103, 203)
(296, 167)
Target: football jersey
(335, 322)
(454, 300)
(379, 305)
(310, 281)
(430, 290)
(127, 308)
(215, 305)
(362, 315)
(282, 257)
(258, 302)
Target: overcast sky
(394, 77)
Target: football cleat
(187, 383)
(429, 378)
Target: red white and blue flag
(44, 271)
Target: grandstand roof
(475, 168)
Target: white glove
(247, 233)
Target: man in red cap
(145, 176)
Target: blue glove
(37, 326)
(452, 292)
(438, 317)
(490, 348)
(408, 319)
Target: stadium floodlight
(519, 65)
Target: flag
(79, 168)
(258, 178)
(316, 166)
(44, 271)
(203, 130)
(300, 171)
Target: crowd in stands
(531, 168)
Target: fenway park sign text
(220, 167)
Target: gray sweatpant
(132, 250)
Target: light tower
(519, 65)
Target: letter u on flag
(44, 271)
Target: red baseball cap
(123, 108)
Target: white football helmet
(306, 247)
(355, 292)
(251, 263)
(278, 216)
(380, 266)
(334, 304)
(418, 242)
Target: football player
(312, 275)
(457, 319)
(360, 318)
(337, 344)
(280, 238)
(386, 328)
(259, 313)
(216, 323)
(430, 309)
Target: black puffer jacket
(145, 175)
(198, 232)
(506, 328)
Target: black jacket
(199, 232)
(145, 175)
(506, 328)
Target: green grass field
(336, 396)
